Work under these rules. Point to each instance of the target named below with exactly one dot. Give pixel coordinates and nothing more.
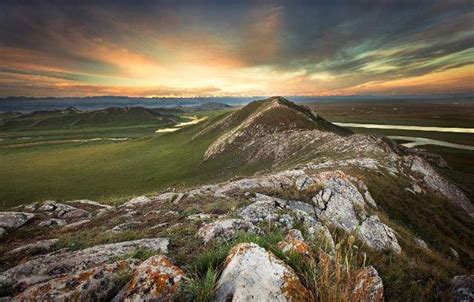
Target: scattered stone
(463, 288)
(137, 202)
(172, 213)
(156, 279)
(253, 274)
(159, 225)
(453, 253)
(14, 220)
(286, 221)
(378, 236)
(368, 285)
(55, 265)
(91, 203)
(225, 229)
(199, 216)
(264, 209)
(421, 243)
(31, 207)
(35, 247)
(52, 222)
(75, 225)
(126, 226)
(93, 284)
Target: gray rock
(76, 225)
(326, 195)
(453, 253)
(369, 199)
(93, 284)
(199, 216)
(321, 234)
(14, 220)
(225, 229)
(35, 247)
(137, 202)
(463, 288)
(55, 265)
(421, 243)
(156, 279)
(52, 222)
(126, 226)
(437, 184)
(378, 236)
(253, 274)
(63, 211)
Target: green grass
(105, 171)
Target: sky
(235, 48)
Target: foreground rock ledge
(253, 274)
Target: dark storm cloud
(349, 42)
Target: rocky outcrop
(378, 236)
(13, 220)
(63, 263)
(431, 180)
(368, 286)
(156, 279)
(225, 229)
(62, 211)
(463, 288)
(95, 284)
(253, 274)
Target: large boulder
(13, 220)
(95, 284)
(368, 286)
(156, 279)
(253, 274)
(63, 263)
(378, 236)
(225, 229)
(35, 247)
(340, 204)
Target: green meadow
(107, 171)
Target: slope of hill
(328, 215)
(72, 118)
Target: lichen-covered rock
(463, 288)
(94, 284)
(34, 248)
(156, 279)
(14, 220)
(253, 274)
(54, 265)
(225, 229)
(198, 216)
(368, 286)
(378, 236)
(294, 242)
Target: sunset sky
(235, 48)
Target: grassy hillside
(105, 171)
